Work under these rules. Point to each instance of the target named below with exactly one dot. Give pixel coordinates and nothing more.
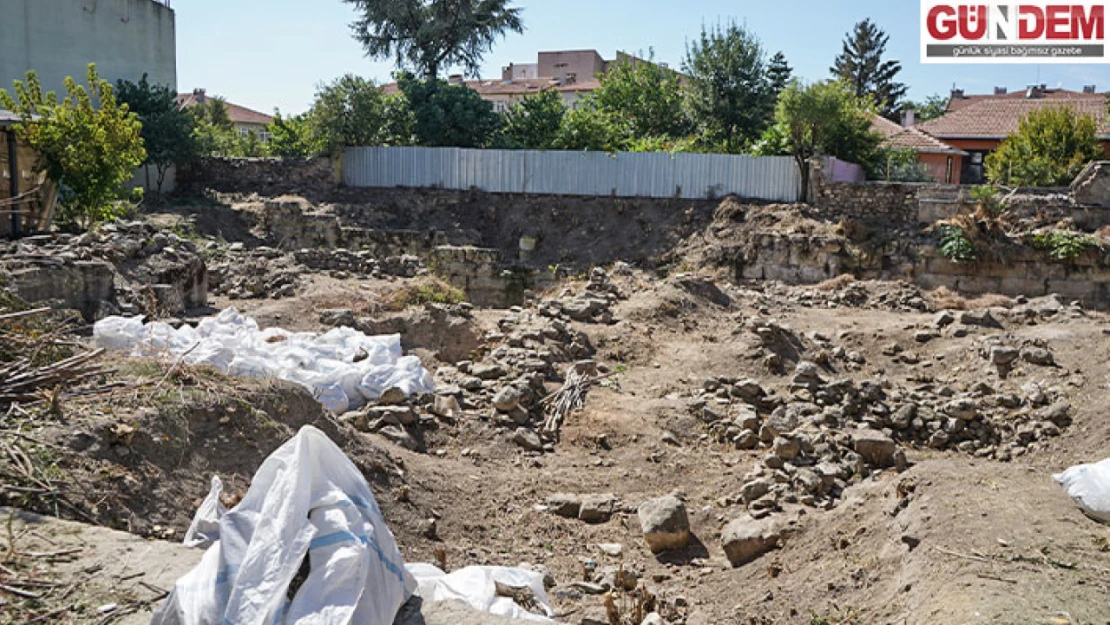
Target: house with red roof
(977, 124)
(943, 161)
(246, 120)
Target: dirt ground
(957, 537)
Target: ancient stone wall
(265, 176)
(484, 277)
(1015, 271)
(913, 204)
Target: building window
(499, 106)
(244, 132)
(264, 136)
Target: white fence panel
(624, 174)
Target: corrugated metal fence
(575, 173)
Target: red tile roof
(955, 104)
(997, 118)
(237, 114)
(913, 138)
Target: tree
(167, 129)
(933, 107)
(353, 111)
(87, 143)
(730, 96)
(534, 122)
(825, 118)
(293, 136)
(426, 36)
(646, 97)
(861, 66)
(214, 133)
(1052, 145)
(779, 73)
(590, 129)
(449, 115)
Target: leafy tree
(167, 129)
(590, 129)
(353, 111)
(646, 97)
(826, 118)
(862, 67)
(1052, 145)
(931, 108)
(293, 136)
(214, 134)
(730, 95)
(534, 122)
(429, 35)
(87, 143)
(449, 115)
(779, 73)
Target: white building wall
(59, 38)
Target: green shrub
(1063, 245)
(955, 245)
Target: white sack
(475, 586)
(343, 368)
(306, 498)
(1089, 486)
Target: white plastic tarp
(307, 498)
(1089, 486)
(343, 367)
(477, 587)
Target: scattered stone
(981, 318)
(392, 396)
(528, 439)
(564, 505)
(1038, 356)
(875, 447)
(746, 539)
(665, 524)
(508, 399)
(597, 508)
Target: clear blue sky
(272, 53)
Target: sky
(267, 54)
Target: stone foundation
(484, 277)
(265, 176)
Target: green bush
(87, 143)
(1063, 245)
(1050, 148)
(955, 245)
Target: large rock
(665, 524)
(746, 539)
(876, 448)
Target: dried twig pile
(570, 397)
(22, 382)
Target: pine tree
(862, 67)
(779, 73)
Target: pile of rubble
(259, 273)
(360, 263)
(127, 267)
(531, 351)
(897, 296)
(822, 434)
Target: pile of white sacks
(343, 368)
